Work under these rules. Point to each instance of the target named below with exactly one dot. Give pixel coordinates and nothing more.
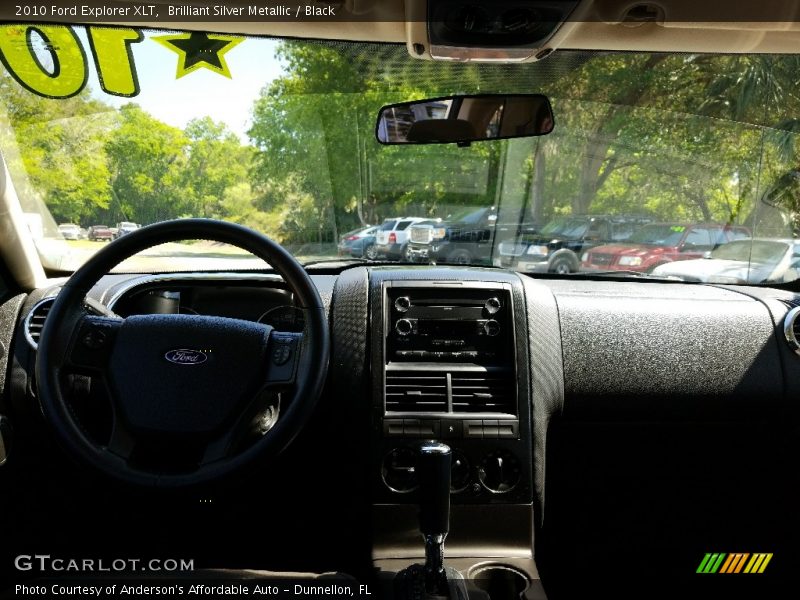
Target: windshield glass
(279, 135)
(659, 235)
(757, 251)
(468, 216)
(566, 227)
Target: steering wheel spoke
(92, 342)
(259, 418)
(122, 442)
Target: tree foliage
(678, 137)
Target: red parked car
(660, 243)
(97, 233)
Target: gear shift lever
(433, 472)
(432, 581)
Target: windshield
(468, 216)
(757, 251)
(279, 135)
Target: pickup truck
(465, 238)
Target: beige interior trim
(367, 31)
(17, 251)
(595, 25)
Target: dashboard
(581, 414)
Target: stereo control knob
(492, 305)
(403, 327)
(402, 304)
(491, 328)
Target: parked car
(359, 243)
(558, 246)
(742, 261)
(659, 243)
(122, 228)
(69, 231)
(392, 237)
(97, 233)
(464, 238)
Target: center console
(449, 365)
(449, 372)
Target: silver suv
(392, 237)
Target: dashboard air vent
(34, 322)
(791, 329)
(483, 393)
(416, 391)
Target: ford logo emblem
(186, 356)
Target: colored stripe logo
(740, 562)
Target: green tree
(61, 146)
(216, 162)
(148, 163)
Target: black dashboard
(571, 406)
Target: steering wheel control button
(94, 339)
(281, 354)
(93, 343)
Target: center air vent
(470, 392)
(483, 393)
(416, 391)
(791, 329)
(34, 322)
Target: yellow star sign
(199, 51)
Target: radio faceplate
(450, 325)
(450, 372)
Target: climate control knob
(403, 327)
(459, 472)
(499, 471)
(491, 328)
(399, 470)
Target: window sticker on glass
(199, 50)
(678, 228)
(50, 60)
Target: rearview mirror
(465, 119)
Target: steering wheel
(182, 380)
